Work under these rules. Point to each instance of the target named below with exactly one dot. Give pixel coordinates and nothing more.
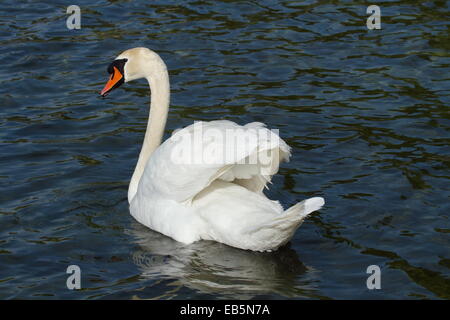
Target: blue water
(366, 113)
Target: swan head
(130, 65)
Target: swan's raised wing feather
(195, 156)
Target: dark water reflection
(219, 270)
(366, 113)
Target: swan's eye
(119, 64)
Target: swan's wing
(195, 156)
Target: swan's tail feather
(304, 208)
(296, 213)
(279, 231)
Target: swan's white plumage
(222, 201)
(218, 198)
(181, 180)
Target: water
(366, 113)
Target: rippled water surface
(366, 113)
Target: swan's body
(216, 196)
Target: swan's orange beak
(114, 81)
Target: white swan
(199, 184)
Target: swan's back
(192, 158)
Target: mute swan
(201, 184)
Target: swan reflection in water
(213, 268)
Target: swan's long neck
(159, 108)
